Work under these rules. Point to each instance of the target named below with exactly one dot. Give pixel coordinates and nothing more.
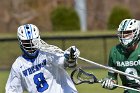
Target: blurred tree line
(16, 12)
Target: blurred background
(94, 14)
(91, 25)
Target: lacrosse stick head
(79, 76)
(43, 46)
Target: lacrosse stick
(109, 68)
(79, 76)
(43, 46)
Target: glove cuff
(70, 64)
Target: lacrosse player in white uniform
(41, 67)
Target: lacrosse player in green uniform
(125, 56)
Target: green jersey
(128, 62)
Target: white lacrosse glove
(71, 55)
(108, 83)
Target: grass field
(90, 49)
(83, 88)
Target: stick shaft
(109, 68)
(86, 60)
(120, 72)
(124, 87)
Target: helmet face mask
(27, 33)
(28, 46)
(126, 37)
(128, 32)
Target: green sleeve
(111, 63)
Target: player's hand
(71, 55)
(108, 83)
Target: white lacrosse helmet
(26, 33)
(129, 32)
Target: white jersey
(45, 74)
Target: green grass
(3, 79)
(83, 88)
(92, 49)
(89, 49)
